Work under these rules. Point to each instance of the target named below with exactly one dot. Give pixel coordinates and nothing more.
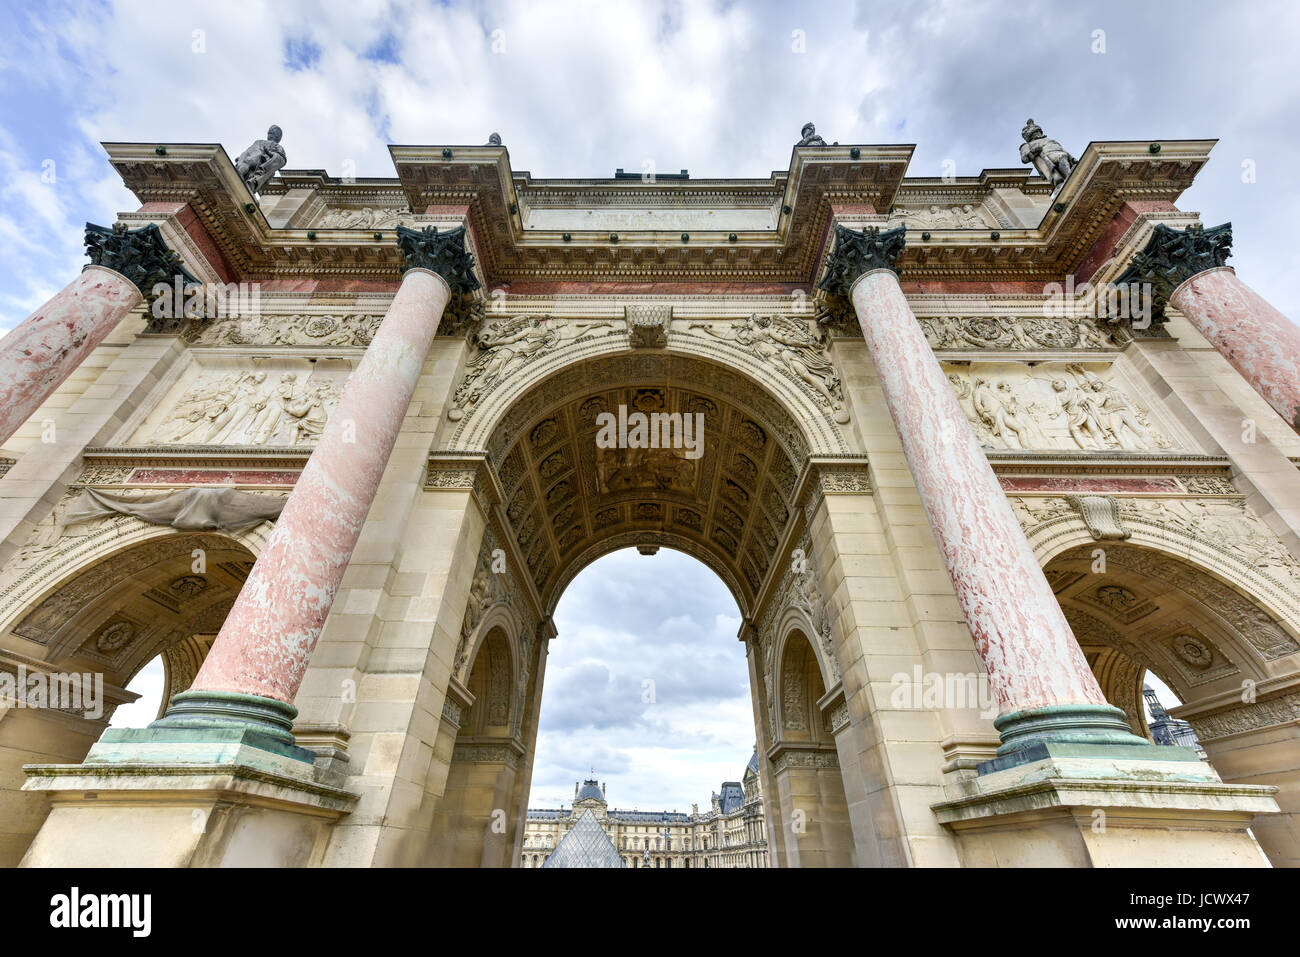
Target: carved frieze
(505, 347)
(814, 758)
(1248, 716)
(963, 216)
(1012, 333)
(364, 217)
(288, 329)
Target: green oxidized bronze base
(1074, 731)
(203, 710)
(1065, 724)
(220, 719)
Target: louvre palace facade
(729, 834)
(973, 454)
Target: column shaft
(44, 349)
(1256, 339)
(263, 647)
(1032, 658)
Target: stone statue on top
(1045, 155)
(810, 137)
(257, 164)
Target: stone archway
(475, 824)
(1142, 609)
(810, 800)
(166, 595)
(730, 499)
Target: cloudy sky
(646, 683)
(578, 89)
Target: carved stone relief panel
(795, 348)
(289, 329)
(506, 346)
(1251, 716)
(936, 216)
(363, 217)
(280, 402)
(1014, 333)
(1053, 405)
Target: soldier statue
(257, 164)
(810, 137)
(1046, 155)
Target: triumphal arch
(973, 454)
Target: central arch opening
(647, 695)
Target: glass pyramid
(586, 845)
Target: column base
(209, 720)
(1093, 806)
(1096, 724)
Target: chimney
(602, 789)
(575, 790)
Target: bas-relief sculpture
(366, 217)
(289, 330)
(257, 164)
(250, 408)
(1013, 333)
(503, 347)
(964, 216)
(1052, 406)
(788, 345)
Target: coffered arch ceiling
(1164, 614)
(119, 613)
(727, 502)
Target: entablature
(766, 231)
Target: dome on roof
(590, 791)
(753, 762)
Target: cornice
(476, 183)
(207, 456)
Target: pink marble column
(1021, 635)
(1258, 341)
(44, 349)
(263, 647)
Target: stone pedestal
(203, 802)
(1082, 806)
(48, 345)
